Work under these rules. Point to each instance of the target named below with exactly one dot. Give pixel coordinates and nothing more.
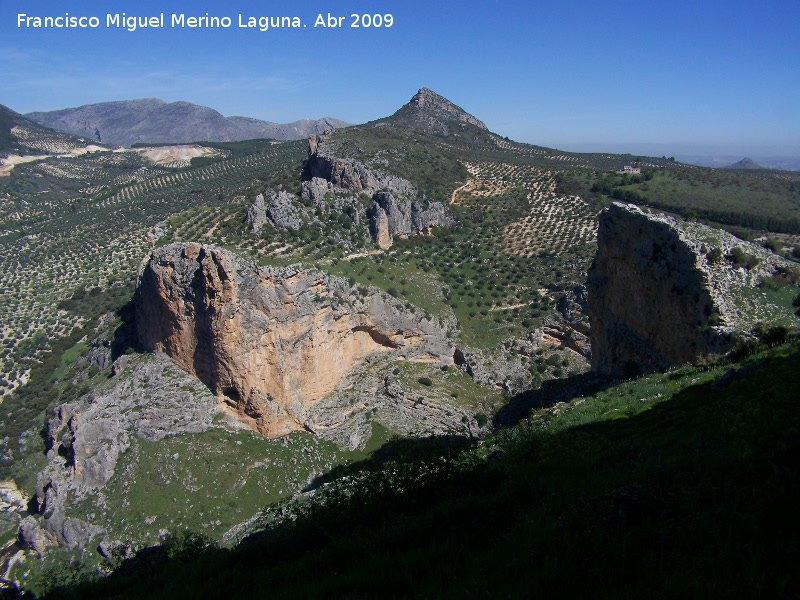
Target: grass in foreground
(683, 484)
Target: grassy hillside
(617, 486)
(674, 485)
(761, 200)
(30, 137)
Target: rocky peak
(429, 101)
(746, 163)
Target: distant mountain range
(151, 120)
(784, 163)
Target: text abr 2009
(367, 20)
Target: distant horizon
(717, 74)
(682, 152)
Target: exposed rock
(496, 369)
(279, 209)
(284, 212)
(656, 299)
(379, 228)
(428, 100)
(257, 214)
(152, 399)
(315, 191)
(156, 232)
(406, 211)
(433, 114)
(33, 537)
(270, 342)
(349, 174)
(558, 331)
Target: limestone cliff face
(270, 342)
(397, 206)
(656, 300)
(150, 399)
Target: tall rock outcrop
(149, 399)
(271, 342)
(280, 209)
(397, 206)
(257, 214)
(662, 292)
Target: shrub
(775, 336)
(775, 245)
(714, 256)
(425, 381)
(741, 259)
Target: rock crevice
(270, 342)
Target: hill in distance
(746, 163)
(432, 114)
(151, 120)
(21, 136)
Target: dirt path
(361, 254)
(455, 191)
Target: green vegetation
(761, 200)
(650, 488)
(654, 485)
(208, 482)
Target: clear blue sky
(722, 76)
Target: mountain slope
(745, 163)
(20, 136)
(151, 120)
(671, 485)
(433, 114)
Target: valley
(232, 340)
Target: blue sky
(703, 75)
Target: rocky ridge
(663, 292)
(433, 114)
(271, 342)
(397, 209)
(149, 398)
(280, 209)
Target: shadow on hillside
(682, 496)
(397, 451)
(125, 334)
(550, 393)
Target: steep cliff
(664, 292)
(149, 399)
(397, 207)
(271, 342)
(280, 209)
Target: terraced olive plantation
(554, 224)
(79, 226)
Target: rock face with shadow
(663, 292)
(397, 209)
(270, 343)
(148, 398)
